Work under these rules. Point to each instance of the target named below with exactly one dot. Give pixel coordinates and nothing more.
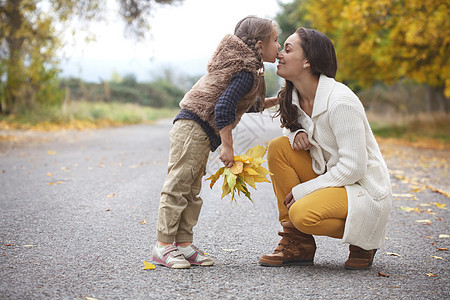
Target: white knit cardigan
(346, 154)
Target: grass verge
(427, 131)
(84, 115)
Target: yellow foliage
(246, 169)
(386, 40)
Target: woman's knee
(276, 145)
(303, 218)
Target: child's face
(269, 49)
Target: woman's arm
(348, 130)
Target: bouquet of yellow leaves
(246, 169)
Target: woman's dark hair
(321, 56)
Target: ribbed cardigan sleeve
(346, 121)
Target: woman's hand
(301, 141)
(289, 200)
(227, 156)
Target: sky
(182, 38)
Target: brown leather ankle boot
(295, 248)
(359, 259)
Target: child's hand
(227, 156)
(301, 141)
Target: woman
(329, 176)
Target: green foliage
(272, 82)
(159, 93)
(292, 16)
(413, 128)
(29, 42)
(83, 114)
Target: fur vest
(230, 58)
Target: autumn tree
(388, 40)
(29, 39)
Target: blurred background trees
(30, 33)
(394, 53)
(384, 42)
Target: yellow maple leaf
(439, 205)
(148, 266)
(246, 169)
(237, 167)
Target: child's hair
(252, 29)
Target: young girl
(233, 85)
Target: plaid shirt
(225, 110)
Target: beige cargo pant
(180, 203)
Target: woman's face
(269, 49)
(291, 60)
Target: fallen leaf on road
(49, 174)
(29, 246)
(431, 275)
(443, 236)
(392, 254)
(143, 222)
(148, 266)
(9, 245)
(439, 205)
(111, 195)
(90, 298)
(442, 249)
(51, 152)
(436, 257)
(404, 195)
(426, 221)
(439, 191)
(409, 209)
(382, 275)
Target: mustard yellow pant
(322, 212)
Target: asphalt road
(78, 212)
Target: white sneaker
(194, 256)
(170, 256)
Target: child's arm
(269, 102)
(226, 152)
(225, 113)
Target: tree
(292, 16)
(388, 40)
(29, 41)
